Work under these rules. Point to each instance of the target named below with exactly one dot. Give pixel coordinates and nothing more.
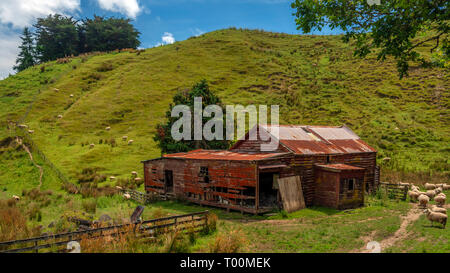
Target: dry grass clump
(229, 242)
(13, 224)
(89, 205)
(176, 242)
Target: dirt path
(401, 234)
(41, 170)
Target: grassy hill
(314, 79)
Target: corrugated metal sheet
(223, 155)
(319, 139)
(340, 167)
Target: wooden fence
(193, 222)
(145, 198)
(394, 191)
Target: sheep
(30, 131)
(137, 179)
(134, 174)
(436, 217)
(429, 186)
(442, 194)
(405, 184)
(60, 116)
(446, 187)
(119, 188)
(124, 138)
(56, 89)
(130, 142)
(91, 146)
(423, 200)
(413, 195)
(127, 196)
(440, 200)
(435, 208)
(108, 128)
(430, 194)
(112, 178)
(415, 188)
(22, 126)
(71, 95)
(15, 197)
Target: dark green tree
(27, 53)
(163, 135)
(393, 27)
(107, 34)
(56, 37)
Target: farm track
(41, 170)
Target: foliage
(107, 34)
(27, 52)
(164, 137)
(56, 37)
(395, 27)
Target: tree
(107, 34)
(163, 136)
(56, 37)
(396, 27)
(26, 56)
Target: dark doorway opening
(268, 190)
(168, 181)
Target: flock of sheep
(435, 213)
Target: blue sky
(159, 21)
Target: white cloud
(196, 31)
(168, 38)
(22, 13)
(129, 7)
(9, 41)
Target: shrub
(34, 211)
(13, 225)
(90, 205)
(176, 242)
(211, 223)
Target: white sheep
(134, 174)
(60, 116)
(440, 200)
(56, 89)
(71, 95)
(446, 187)
(23, 126)
(413, 195)
(435, 208)
(124, 138)
(430, 194)
(108, 128)
(91, 146)
(137, 179)
(30, 131)
(127, 196)
(436, 217)
(423, 200)
(415, 188)
(429, 186)
(17, 198)
(130, 142)
(112, 178)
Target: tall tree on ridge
(27, 52)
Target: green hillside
(314, 79)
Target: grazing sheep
(413, 195)
(60, 116)
(440, 200)
(56, 89)
(124, 138)
(134, 174)
(108, 128)
(137, 179)
(91, 146)
(438, 190)
(423, 200)
(435, 208)
(23, 126)
(112, 178)
(430, 194)
(119, 188)
(17, 198)
(127, 196)
(415, 188)
(130, 142)
(436, 217)
(30, 131)
(429, 186)
(442, 194)
(71, 95)
(446, 187)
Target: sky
(160, 22)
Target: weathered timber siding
(327, 189)
(355, 198)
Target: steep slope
(314, 79)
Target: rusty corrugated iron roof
(339, 167)
(317, 139)
(223, 155)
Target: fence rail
(394, 191)
(145, 198)
(194, 221)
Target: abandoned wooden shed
(311, 165)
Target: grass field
(315, 80)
